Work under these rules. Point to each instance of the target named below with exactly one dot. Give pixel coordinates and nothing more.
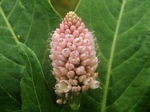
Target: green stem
(75, 102)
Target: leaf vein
(135, 23)
(103, 108)
(12, 10)
(130, 83)
(128, 59)
(9, 94)
(4, 57)
(30, 24)
(9, 26)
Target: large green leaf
(122, 32)
(30, 22)
(34, 91)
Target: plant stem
(75, 102)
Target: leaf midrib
(9, 26)
(39, 106)
(103, 108)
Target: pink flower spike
(73, 55)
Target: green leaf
(121, 28)
(34, 91)
(9, 84)
(11, 66)
(29, 22)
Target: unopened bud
(74, 82)
(94, 75)
(59, 101)
(71, 74)
(80, 70)
(82, 78)
(67, 95)
(84, 88)
(76, 89)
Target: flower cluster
(73, 58)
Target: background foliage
(122, 30)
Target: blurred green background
(64, 6)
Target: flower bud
(76, 89)
(74, 54)
(73, 28)
(69, 37)
(59, 101)
(88, 81)
(70, 74)
(71, 46)
(76, 33)
(81, 49)
(80, 70)
(69, 66)
(66, 52)
(62, 42)
(84, 88)
(77, 41)
(94, 75)
(82, 78)
(74, 82)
